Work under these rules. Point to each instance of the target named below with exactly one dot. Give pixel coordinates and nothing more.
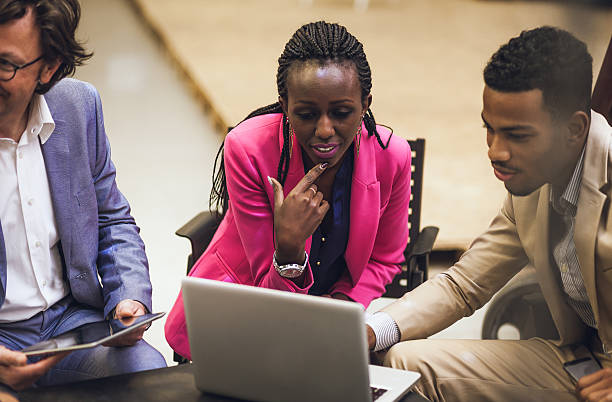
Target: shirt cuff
(385, 329)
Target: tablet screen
(90, 335)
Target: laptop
(270, 345)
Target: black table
(174, 383)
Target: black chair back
(416, 190)
(420, 243)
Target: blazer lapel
(566, 320)
(365, 208)
(56, 154)
(590, 205)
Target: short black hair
(549, 59)
(57, 21)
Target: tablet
(90, 335)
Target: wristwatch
(289, 271)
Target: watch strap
(290, 271)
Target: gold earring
(291, 135)
(358, 136)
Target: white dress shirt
(34, 279)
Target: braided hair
(320, 41)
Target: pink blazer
(241, 250)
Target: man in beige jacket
(554, 156)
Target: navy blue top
(328, 247)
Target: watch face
(291, 272)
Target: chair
(201, 229)
(420, 243)
(520, 303)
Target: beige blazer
(518, 236)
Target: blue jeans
(79, 365)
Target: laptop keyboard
(377, 392)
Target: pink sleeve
(254, 216)
(391, 240)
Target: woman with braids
(314, 195)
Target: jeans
(79, 365)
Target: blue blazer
(98, 236)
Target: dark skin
(528, 146)
(371, 337)
(325, 107)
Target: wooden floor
(426, 57)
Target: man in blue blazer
(70, 252)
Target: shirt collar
(40, 122)
(569, 197)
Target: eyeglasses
(8, 69)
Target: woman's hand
(297, 216)
(338, 296)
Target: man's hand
(18, 374)
(371, 337)
(596, 386)
(125, 310)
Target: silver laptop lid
(270, 345)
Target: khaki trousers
(490, 370)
